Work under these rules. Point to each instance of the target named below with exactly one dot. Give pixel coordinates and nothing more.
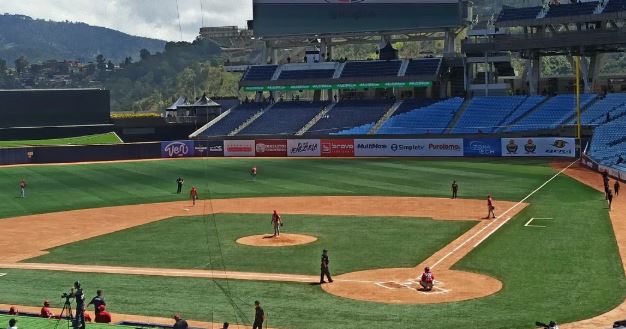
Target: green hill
(39, 40)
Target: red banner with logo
(271, 148)
(337, 147)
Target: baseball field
(551, 253)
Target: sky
(148, 18)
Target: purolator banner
(303, 148)
(451, 147)
(244, 148)
(538, 147)
(271, 148)
(337, 147)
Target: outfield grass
(183, 243)
(568, 271)
(57, 188)
(108, 138)
(39, 323)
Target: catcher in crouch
(427, 280)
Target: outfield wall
(330, 147)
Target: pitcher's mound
(284, 240)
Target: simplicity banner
(452, 147)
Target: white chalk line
(499, 217)
(528, 224)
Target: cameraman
(79, 295)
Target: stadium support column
(533, 73)
(595, 64)
(449, 44)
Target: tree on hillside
(144, 54)
(101, 63)
(20, 65)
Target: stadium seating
(260, 72)
(371, 68)
(609, 142)
(552, 113)
(528, 104)
(574, 9)
(350, 114)
(284, 118)
(483, 114)
(234, 119)
(433, 119)
(513, 14)
(615, 6)
(360, 130)
(306, 74)
(614, 104)
(428, 66)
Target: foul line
(499, 217)
(533, 218)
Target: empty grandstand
(284, 118)
(431, 119)
(483, 114)
(553, 113)
(371, 68)
(350, 114)
(235, 118)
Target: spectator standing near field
(455, 189)
(259, 316)
(616, 187)
(22, 188)
(179, 184)
(97, 301)
(180, 323)
(609, 198)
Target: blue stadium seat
(609, 142)
(260, 72)
(528, 104)
(350, 114)
(433, 119)
(614, 6)
(234, 119)
(573, 9)
(484, 113)
(360, 130)
(284, 118)
(513, 14)
(306, 74)
(427, 66)
(371, 68)
(552, 113)
(614, 104)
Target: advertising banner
(364, 85)
(303, 148)
(538, 147)
(244, 148)
(337, 147)
(452, 147)
(271, 148)
(209, 148)
(483, 147)
(177, 149)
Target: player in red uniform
(193, 194)
(253, 173)
(277, 222)
(427, 280)
(45, 311)
(490, 207)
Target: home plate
(186, 209)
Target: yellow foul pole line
(578, 125)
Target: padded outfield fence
(339, 147)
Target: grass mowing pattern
(569, 271)
(57, 188)
(108, 138)
(355, 243)
(39, 323)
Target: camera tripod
(69, 315)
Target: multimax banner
(365, 85)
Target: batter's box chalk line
(413, 284)
(528, 224)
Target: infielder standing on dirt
(490, 207)
(325, 270)
(277, 222)
(193, 194)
